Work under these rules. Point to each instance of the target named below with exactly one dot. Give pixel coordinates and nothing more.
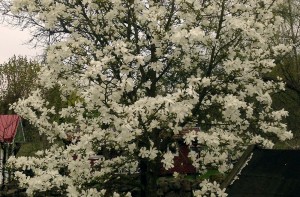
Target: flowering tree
(141, 70)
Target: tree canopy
(17, 78)
(139, 71)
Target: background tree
(115, 58)
(287, 67)
(18, 77)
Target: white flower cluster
(210, 189)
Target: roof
(266, 173)
(8, 127)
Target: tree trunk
(149, 173)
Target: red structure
(8, 127)
(182, 163)
(11, 137)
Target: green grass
(209, 173)
(29, 148)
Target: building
(11, 137)
(265, 173)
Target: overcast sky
(13, 41)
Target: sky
(13, 41)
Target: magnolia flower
(168, 160)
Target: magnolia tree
(142, 70)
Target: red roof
(8, 127)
